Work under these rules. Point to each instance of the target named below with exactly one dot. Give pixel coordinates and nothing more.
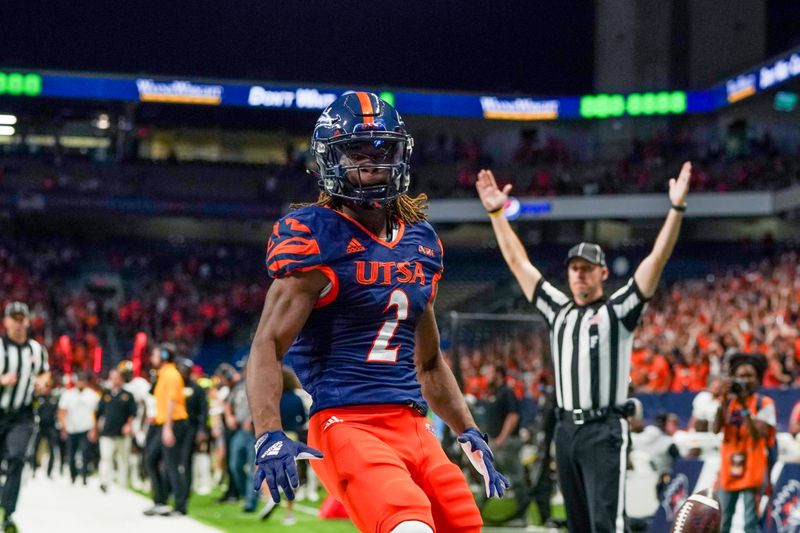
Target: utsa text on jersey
(383, 272)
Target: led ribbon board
(315, 98)
(20, 84)
(770, 74)
(634, 104)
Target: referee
(22, 361)
(591, 338)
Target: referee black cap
(17, 308)
(588, 251)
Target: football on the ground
(698, 514)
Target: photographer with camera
(747, 420)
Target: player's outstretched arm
(649, 271)
(493, 200)
(288, 305)
(440, 390)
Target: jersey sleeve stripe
(629, 304)
(297, 226)
(277, 265)
(542, 303)
(622, 293)
(328, 297)
(546, 310)
(552, 296)
(435, 286)
(294, 246)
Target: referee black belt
(586, 416)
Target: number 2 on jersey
(380, 351)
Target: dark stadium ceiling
(514, 46)
(511, 46)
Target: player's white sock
(412, 526)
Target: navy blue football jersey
(357, 347)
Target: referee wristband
(679, 208)
(495, 212)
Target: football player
(351, 309)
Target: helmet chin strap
(370, 205)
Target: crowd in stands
(693, 324)
(538, 162)
(688, 329)
(102, 295)
(543, 165)
(210, 292)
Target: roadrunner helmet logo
(674, 495)
(786, 508)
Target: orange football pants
(386, 466)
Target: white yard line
(57, 505)
(306, 509)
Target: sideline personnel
(115, 416)
(171, 422)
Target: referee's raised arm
(649, 271)
(493, 200)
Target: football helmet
(358, 139)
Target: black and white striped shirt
(27, 361)
(591, 344)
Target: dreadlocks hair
(409, 210)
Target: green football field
(230, 518)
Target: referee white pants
(114, 460)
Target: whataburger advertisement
(740, 87)
(178, 92)
(519, 108)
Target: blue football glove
(476, 445)
(276, 457)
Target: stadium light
(6, 131)
(8, 120)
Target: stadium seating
(208, 297)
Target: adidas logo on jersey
(275, 449)
(354, 246)
(331, 421)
